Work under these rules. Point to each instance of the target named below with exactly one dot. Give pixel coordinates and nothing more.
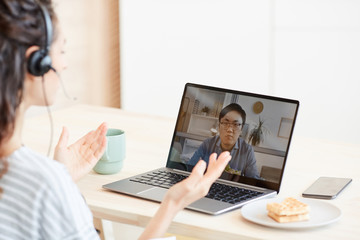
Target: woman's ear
(30, 51)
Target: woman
(38, 196)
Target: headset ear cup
(45, 64)
(33, 63)
(39, 63)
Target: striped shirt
(40, 201)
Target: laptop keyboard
(162, 179)
(230, 194)
(218, 191)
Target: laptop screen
(255, 129)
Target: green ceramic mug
(112, 160)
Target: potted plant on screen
(257, 133)
(205, 110)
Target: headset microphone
(62, 85)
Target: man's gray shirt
(242, 155)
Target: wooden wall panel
(92, 50)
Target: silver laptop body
(198, 127)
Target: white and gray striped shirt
(40, 201)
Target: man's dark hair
(233, 107)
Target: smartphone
(326, 187)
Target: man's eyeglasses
(234, 125)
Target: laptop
(258, 130)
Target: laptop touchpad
(155, 193)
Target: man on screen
(243, 163)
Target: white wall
(307, 50)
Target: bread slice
(286, 219)
(290, 210)
(290, 206)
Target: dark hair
(21, 26)
(233, 107)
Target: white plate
(321, 213)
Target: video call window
(258, 129)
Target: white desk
(148, 142)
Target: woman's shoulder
(43, 176)
(27, 162)
(44, 189)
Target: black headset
(39, 61)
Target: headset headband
(48, 28)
